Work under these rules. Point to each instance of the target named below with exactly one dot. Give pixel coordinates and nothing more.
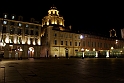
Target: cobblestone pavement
(63, 70)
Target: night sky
(92, 16)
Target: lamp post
(82, 50)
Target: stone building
(18, 38)
(50, 38)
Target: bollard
(3, 79)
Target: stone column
(0, 36)
(13, 53)
(35, 51)
(1, 27)
(38, 51)
(39, 36)
(15, 39)
(25, 50)
(34, 43)
(23, 35)
(28, 41)
(6, 51)
(7, 38)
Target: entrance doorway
(66, 53)
(31, 52)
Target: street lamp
(82, 50)
(81, 37)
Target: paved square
(63, 70)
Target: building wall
(59, 36)
(88, 43)
(100, 43)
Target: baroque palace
(52, 39)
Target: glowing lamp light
(93, 49)
(21, 50)
(112, 48)
(81, 37)
(82, 49)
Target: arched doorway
(66, 52)
(31, 52)
(18, 52)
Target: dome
(53, 18)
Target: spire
(53, 7)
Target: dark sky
(82, 15)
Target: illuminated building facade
(18, 38)
(60, 41)
(50, 38)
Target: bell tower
(112, 33)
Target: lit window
(4, 22)
(20, 24)
(5, 16)
(13, 17)
(26, 25)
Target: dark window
(61, 42)
(4, 29)
(79, 43)
(36, 33)
(32, 32)
(12, 30)
(26, 32)
(55, 34)
(51, 12)
(70, 43)
(55, 42)
(50, 22)
(55, 12)
(19, 31)
(36, 27)
(75, 43)
(12, 23)
(31, 41)
(58, 22)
